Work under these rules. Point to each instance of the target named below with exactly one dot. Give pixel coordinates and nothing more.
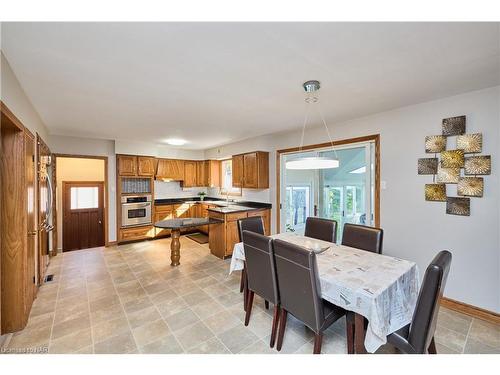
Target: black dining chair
(261, 275)
(300, 293)
(253, 224)
(363, 237)
(418, 336)
(321, 229)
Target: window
(297, 207)
(227, 178)
(84, 197)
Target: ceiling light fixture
(313, 162)
(176, 141)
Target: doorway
(81, 203)
(83, 215)
(347, 194)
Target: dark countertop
(186, 223)
(239, 206)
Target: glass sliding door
(344, 194)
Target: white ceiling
(214, 83)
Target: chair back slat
(363, 237)
(426, 311)
(298, 280)
(260, 266)
(321, 229)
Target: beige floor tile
(122, 343)
(138, 318)
(207, 308)
(150, 331)
(219, 323)
(70, 326)
(137, 304)
(31, 337)
(452, 339)
(166, 295)
(485, 332)
(237, 338)
(165, 345)
(158, 287)
(193, 335)
(473, 346)
(259, 347)
(181, 319)
(212, 346)
(71, 343)
(455, 321)
(66, 312)
(107, 313)
(110, 328)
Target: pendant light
(313, 162)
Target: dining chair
(363, 237)
(261, 275)
(321, 229)
(300, 293)
(253, 224)
(418, 336)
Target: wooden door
(83, 215)
(45, 196)
(190, 170)
(145, 166)
(250, 171)
(237, 166)
(127, 165)
(31, 253)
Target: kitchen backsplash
(165, 190)
(253, 195)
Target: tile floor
(127, 299)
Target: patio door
(345, 194)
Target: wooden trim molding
(368, 138)
(470, 310)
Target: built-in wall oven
(136, 210)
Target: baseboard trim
(111, 243)
(470, 310)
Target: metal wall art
(435, 192)
(446, 169)
(470, 186)
(427, 165)
(458, 206)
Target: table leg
(175, 247)
(359, 333)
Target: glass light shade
(314, 162)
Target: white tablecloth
(383, 289)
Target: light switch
(383, 185)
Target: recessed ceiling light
(176, 141)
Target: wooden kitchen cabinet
(251, 170)
(202, 171)
(163, 212)
(127, 165)
(237, 170)
(136, 233)
(213, 173)
(170, 169)
(225, 235)
(266, 218)
(146, 166)
(190, 174)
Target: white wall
(165, 190)
(93, 147)
(153, 149)
(416, 229)
(12, 94)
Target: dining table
(376, 288)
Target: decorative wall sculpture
(446, 169)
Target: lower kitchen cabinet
(137, 233)
(164, 212)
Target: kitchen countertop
(224, 207)
(185, 223)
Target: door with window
(344, 194)
(83, 215)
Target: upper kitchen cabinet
(202, 173)
(237, 170)
(190, 173)
(146, 166)
(170, 169)
(127, 165)
(251, 170)
(213, 179)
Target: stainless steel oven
(136, 210)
